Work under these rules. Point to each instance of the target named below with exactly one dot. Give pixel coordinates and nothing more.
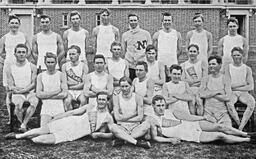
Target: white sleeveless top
(99, 82)
(77, 38)
(141, 87)
(74, 72)
(11, 41)
(128, 106)
(238, 75)
(167, 47)
(51, 82)
(21, 75)
(200, 39)
(46, 43)
(193, 70)
(153, 70)
(116, 68)
(229, 43)
(104, 39)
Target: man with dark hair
(98, 80)
(241, 83)
(74, 71)
(104, 34)
(168, 42)
(72, 125)
(171, 125)
(52, 89)
(216, 91)
(21, 79)
(134, 43)
(231, 40)
(201, 37)
(47, 41)
(76, 35)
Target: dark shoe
(9, 136)
(144, 144)
(252, 135)
(22, 130)
(117, 143)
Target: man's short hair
(115, 43)
(11, 17)
(133, 15)
(216, 57)
(176, 67)
(99, 56)
(157, 98)
(101, 93)
(233, 20)
(73, 13)
(166, 14)
(125, 79)
(45, 17)
(198, 15)
(151, 47)
(21, 46)
(193, 45)
(104, 10)
(144, 64)
(50, 55)
(77, 48)
(239, 49)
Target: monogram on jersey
(141, 45)
(72, 75)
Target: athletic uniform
(201, 40)
(11, 41)
(77, 38)
(105, 37)
(74, 127)
(50, 83)
(154, 73)
(46, 43)
(75, 73)
(214, 107)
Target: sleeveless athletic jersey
(167, 47)
(200, 39)
(74, 72)
(104, 39)
(193, 70)
(238, 75)
(128, 106)
(51, 82)
(153, 70)
(141, 87)
(77, 38)
(136, 41)
(229, 43)
(21, 75)
(212, 103)
(46, 43)
(116, 68)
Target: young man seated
(21, 79)
(74, 72)
(72, 125)
(168, 125)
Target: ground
(89, 148)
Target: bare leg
(140, 130)
(213, 136)
(120, 133)
(29, 113)
(82, 100)
(45, 119)
(247, 99)
(34, 132)
(199, 106)
(44, 139)
(7, 102)
(19, 111)
(67, 102)
(231, 109)
(192, 108)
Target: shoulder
(115, 29)
(96, 29)
(190, 33)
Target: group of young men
(128, 95)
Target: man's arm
(155, 39)
(179, 44)
(245, 48)
(169, 99)
(182, 115)
(225, 97)
(87, 87)
(35, 48)
(162, 74)
(117, 34)
(64, 88)
(150, 92)
(102, 132)
(187, 97)
(124, 45)
(210, 41)
(139, 103)
(94, 37)
(2, 55)
(220, 47)
(61, 51)
(126, 71)
(188, 37)
(249, 80)
(65, 41)
(10, 81)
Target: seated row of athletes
(148, 106)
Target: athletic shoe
(117, 142)
(9, 136)
(144, 144)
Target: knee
(33, 101)
(37, 140)
(220, 136)
(114, 129)
(220, 127)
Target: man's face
(133, 21)
(102, 101)
(175, 75)
(232, 27)
(159, 107)
(140, 71)
(214, 67)
(167, 22)
(14, 24)
(50, 64)
(193, 53)
(75, 20)
(73, 55)
(116, 51)
(151, 55)
(45, 24)
(198, 22)
(237, 57)
(125, 87)
(104, 18)
(20, 54)
(99, 65)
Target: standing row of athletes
(140, 62)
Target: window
(64, 19)
(97, 19)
